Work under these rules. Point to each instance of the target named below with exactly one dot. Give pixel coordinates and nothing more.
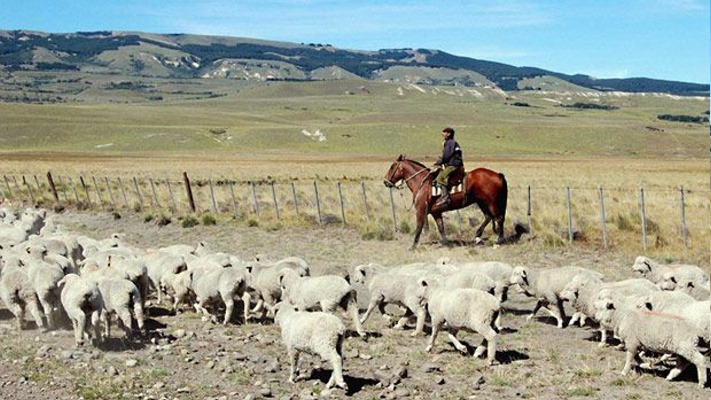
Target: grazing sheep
(401, 290)
(546, 286)
(471, 310)
(659, 332)
(221, 284)
(17, 293)
(326, 292)
(84, 305)
(120, 297)
(655, 272)
(316, 333)
(264, 280)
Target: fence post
(74, 187)
(111, 194)
(296, 202)
(172, 196)
(17, 187)
(86, 191)
(156, 204)
(340, 197)
(528, 212)
(570, 214)
(98, 193)
(274, 197)
(644, 218)
(684, 232)
(255, 203)
(392, 208)
(29, 190)
(234, 200)
(459, 223)
(39, 187)
(2, 194)
(365, 201)
(123, 192)
(603, 228)
(189, 191)
(52, 188)
(138, 193)
(212, 196)
(7, 184)
(318, 203)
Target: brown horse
(486, 188)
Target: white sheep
(316, 333)
(470, 310)
(326, 292)
(17, 292)
(546, 285)
(44, 277)
(160, 266)
(84, 305)
(401, 290)
(264, 280)
(499, 271)
(649, 330)
(221, 284)
(670, 281)
(697, 313)
(655, 271)
(123, 298)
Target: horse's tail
(502, 201)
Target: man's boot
(444, 199)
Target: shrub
(208, 219)
(189, 221)
(252, 223)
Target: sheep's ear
(648, 305)
(673, 279)
(423, 282)
(610, 305)
(61, 283)
(347, 278)
(690, 285)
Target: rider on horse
(450, 161)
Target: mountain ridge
(204, 56)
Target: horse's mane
(404, 158)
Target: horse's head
(395, 173)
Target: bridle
(403, 182)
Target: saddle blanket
(437, 191)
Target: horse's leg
(500, 226)
(440, 227)
(480, 229)
(421, 216)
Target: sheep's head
(668, 282)
(519, 276)
(643, 265)
(422, 293)
(358, 275)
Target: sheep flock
(48, 275)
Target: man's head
(447, 133)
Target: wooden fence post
(64, 188)
(156, 203)
(52, 188)
(570, 214)
(123, 193)
(684, 231)
(37, 182)
(138, 193)
(86, 191)
(212, 196)
(255, 203)
(29, 190)
(643, 215)
(111, 194)
(365, 201)
(392, 209)
(296, 202)
(98, 193)
(189, 192)
(340, 197)
(17, 187)
(274, 197)
(74, 187)
(528, 213)
(7, 184)
(318, 203)
(234, 200)
(603, 228)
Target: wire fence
(658, 216)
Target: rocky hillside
(195, 56)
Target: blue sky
(662, 39)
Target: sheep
(400, 290)
(671, 282)
(644, 329)
(655, 272)
(120, 297)
(221, 284)
(17, 292)
(546, 286)
(264, 280)
(327, 292)
(499, 271)
(81, 299)
(44, 277)
(161, 265)
(471, 310)
(697, 313)
(316, 333)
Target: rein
(414, 192)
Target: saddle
(454, 182)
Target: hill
(208, 57)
